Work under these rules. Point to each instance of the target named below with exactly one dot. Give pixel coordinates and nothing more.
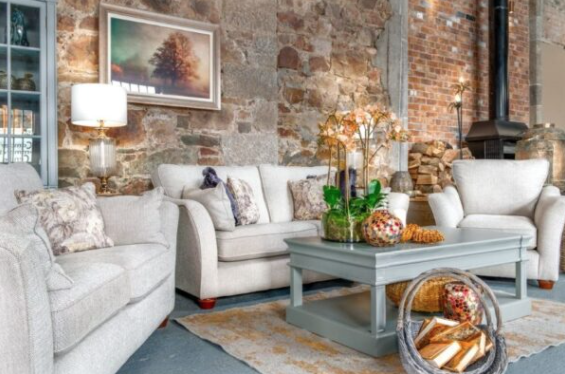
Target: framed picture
(159, 59)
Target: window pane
(27, 149)
(25, 69)
(25, 26)
(4, 149)
(3, 23)
(25, 114)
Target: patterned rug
(259, 336)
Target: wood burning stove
(496, 138)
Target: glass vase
(338, 227)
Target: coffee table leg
(295, 286)
(521, 280)
(378, 309)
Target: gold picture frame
(160, 59)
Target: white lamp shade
(93, 104)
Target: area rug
(259, 336)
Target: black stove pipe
(500, 108)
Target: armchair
(508, 196)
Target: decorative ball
(460, 303)
(382, 229)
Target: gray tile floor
(175, 350)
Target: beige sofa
(252, 258)
(120, 295)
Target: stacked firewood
(430, 163)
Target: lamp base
(104, 189)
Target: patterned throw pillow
(248, 212)
(70, 217)
(308, 198)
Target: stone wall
(449, 39)
(285, 64)
(553, 12)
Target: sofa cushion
(17, 176)
(510, 224)
(146, 265)
(175, 178)
(217, 203)
(260, 241)
(134, 219)
(504, 187)
(277, 192)
(308, 198)
(99, 291)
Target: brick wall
(449, 39)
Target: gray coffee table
(367, 321)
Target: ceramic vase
(382, 229)
(462, 304)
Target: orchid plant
(347, 132)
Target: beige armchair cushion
(217, 203)
(502, 187)
(510, 224)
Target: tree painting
(155, 59)
(175, 60)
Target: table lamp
(101, 106)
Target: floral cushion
(308, 198)
(247, 210)
(70, 217)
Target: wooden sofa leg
(164, 323)
(546, 285)
(206, 304)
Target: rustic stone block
(289, 59)
(259, 149)
(318, 64)
(251, 15)
(293, 95)
(245, 82)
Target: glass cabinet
(28, 124)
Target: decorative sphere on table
(382, 229)
(461, 303)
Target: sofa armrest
(197, 253)
(26, 333)
(398, 204)
(549, 220)
(446, 207)
(170, 222)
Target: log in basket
(495, 362)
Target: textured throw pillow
(217, 203)
(308, 198)
(70, 217)
(134, 219)
(211, 180)
(23, 221)
(248, 212)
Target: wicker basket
(429, 299)
(496, 361)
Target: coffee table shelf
(367, 321)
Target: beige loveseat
(119, 295)
(211, 263)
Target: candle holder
(460, 88)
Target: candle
(458, 98)
(461, 80)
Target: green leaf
(332, 196)
(375, 187)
